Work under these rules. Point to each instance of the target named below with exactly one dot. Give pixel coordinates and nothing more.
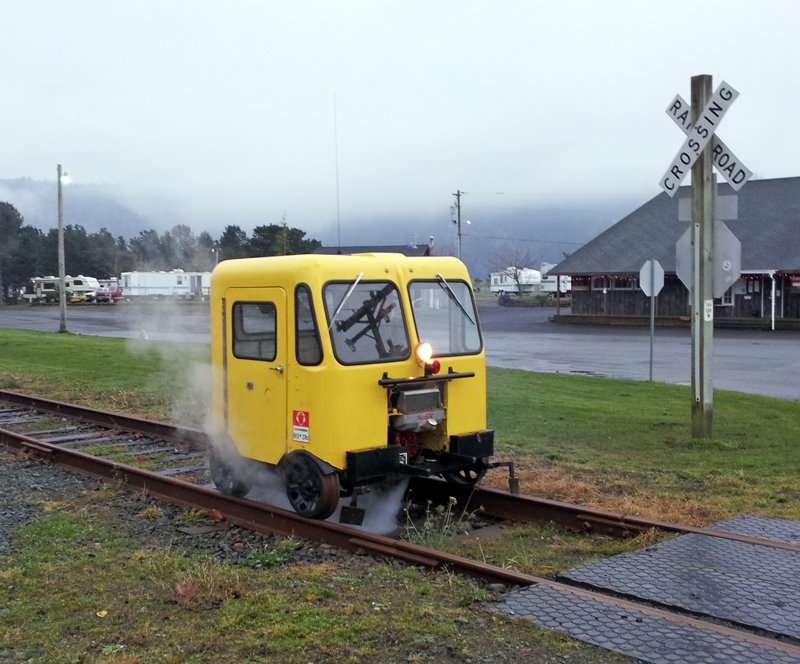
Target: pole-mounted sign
(727, 164)
(707, 272)
(699, 136)
(651, 281)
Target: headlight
(424, 352)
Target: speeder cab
(341, 372)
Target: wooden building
(605, 271)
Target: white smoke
(192, 405)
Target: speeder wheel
(224, 476)
(311, 493)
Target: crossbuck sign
(698, 136)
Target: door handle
(279, 368)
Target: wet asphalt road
(521, 338)
(753, 361)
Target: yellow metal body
(255, 401)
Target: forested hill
(91, 206)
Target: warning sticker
(300, 426)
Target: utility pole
(458, 209)
(704, 185)
(62, 296)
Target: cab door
(255, 376)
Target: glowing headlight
(423, 352)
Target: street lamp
(63, 178)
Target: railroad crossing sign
(698, 137)
(727, 163)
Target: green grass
(116, 374)
(627, 438)
(640, 425)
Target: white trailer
(515, 280)
(175, 283)
(46, 289)
(551, 283)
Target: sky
(338, 113)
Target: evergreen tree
(11, 223)
(233, 243)
(278, 240)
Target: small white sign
(708, 310)
(699, 136)
(657, 284)
(726, 208)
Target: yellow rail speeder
(341, 372)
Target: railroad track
(176, 473)
(182, 452)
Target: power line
(521, 239)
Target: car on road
(109, 296)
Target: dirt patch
(627, 493)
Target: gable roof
(405, 249)
(768, 228)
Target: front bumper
(385, 463)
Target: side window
(309, 348)
(254, 330)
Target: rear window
(254, 330)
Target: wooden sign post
(701, 151)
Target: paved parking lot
(760, 362)
(520, 338)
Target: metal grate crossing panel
(637, 634)
(784, 530)
(743, 583)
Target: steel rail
(108, 418)
(258, 517)
(499, 504)
(579, 518)
(266, 519)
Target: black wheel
(465, 477)
(311, 493)
(224, 476)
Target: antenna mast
(336, 150)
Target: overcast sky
(223, 112)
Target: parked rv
(175, 284)
(551, 283)
(46, 289)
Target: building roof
(405, 249)
(768, 228)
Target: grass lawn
(159, 380)
(619, 445)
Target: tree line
(27, 252)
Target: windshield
(445, 316)
(369, 326)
